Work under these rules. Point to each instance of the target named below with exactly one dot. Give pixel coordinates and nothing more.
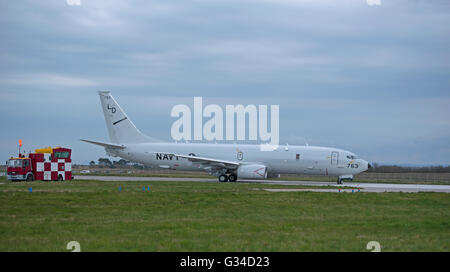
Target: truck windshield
(15, 163)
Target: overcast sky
(372, 79)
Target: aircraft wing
(110, 145)
(206, 162)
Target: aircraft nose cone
(365, 165)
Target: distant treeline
(408, 169)
(107, 163)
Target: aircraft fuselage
(284, 159)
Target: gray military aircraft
(228, 162)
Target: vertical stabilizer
(120, 128)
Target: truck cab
(20, 169)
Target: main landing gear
(230, 178)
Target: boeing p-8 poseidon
(228, 162)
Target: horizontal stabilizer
(104, 144)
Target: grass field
(184, 216)
(372, 177)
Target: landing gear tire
(339, 181)
(232, 178)
(223, 178)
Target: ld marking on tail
(113, 109)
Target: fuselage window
(297, 156)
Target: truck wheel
(30, 177)
(60, 178)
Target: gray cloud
(373, 79)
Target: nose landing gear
(340, 179)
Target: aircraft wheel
(223, 178)
(232, 178)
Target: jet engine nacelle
(252, 171)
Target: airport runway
(363, 187)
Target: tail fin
(120, 127)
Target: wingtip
(86, 141)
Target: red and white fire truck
(45, 164)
